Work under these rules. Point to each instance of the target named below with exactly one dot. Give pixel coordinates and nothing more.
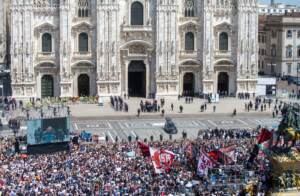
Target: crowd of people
(118, 104)
(121, 169)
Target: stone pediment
(82, 26)
(224, 62)
(189, 26)
(47, 66)
(225, 26)
(190, 62)
(45, 27)
(83, 64)
(136, 45)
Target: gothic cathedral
(138, 48)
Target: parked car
(170, 127)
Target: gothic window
(137, 13)
(298, 51)
(289, 34)
(83, 8)
(223, 41)
(189, 8)
(46, 42)
(83, 41)
(189, 41)
(289, 52)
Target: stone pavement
(145, 128)
(225, 106)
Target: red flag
(162, 160)
(144, 148)
(220, 157)
(264, 135)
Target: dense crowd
(121, 169)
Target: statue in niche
(65, 50)
(15, 49)
(113, 48)
(27, 48)
(242, 46)
(101, 48)
(124, 20)
(160, 48)
(172, 47)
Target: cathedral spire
(272, 2)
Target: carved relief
(137, 49)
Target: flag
(220, 157)
(144, 148)
(189, 150)
(230, 152)
(264, 135)
(265, 146)
(204, 163)
(162, 160)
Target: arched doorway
(83, 85)
(47, 86)
(137, 79)
(188, 84)
(223, 83)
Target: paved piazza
(144, 128)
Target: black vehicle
(170, 127)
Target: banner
(264, 136)
(162, 160)
(204, 163)
(144, 148)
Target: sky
(292, 2)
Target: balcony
(42, 56)
(136, 32)
(82, 55)
(223, 54)
(188, 54)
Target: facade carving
(91, 47)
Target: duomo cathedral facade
(137, 48)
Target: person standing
(181, 108)
(138, 112)
(172, 106)
(214, 108)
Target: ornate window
(289, 34)
(189, 8)
(83, 42)
(189, 41)
(137, 13)
(83, 8)
(223, 41)
(289, 52)
(46, 42)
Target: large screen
(45, 131)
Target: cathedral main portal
(137, 79)
(223, 83)
(83, 85)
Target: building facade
(277, 8)
(282, 45)
(4, 53)
(133, 47)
